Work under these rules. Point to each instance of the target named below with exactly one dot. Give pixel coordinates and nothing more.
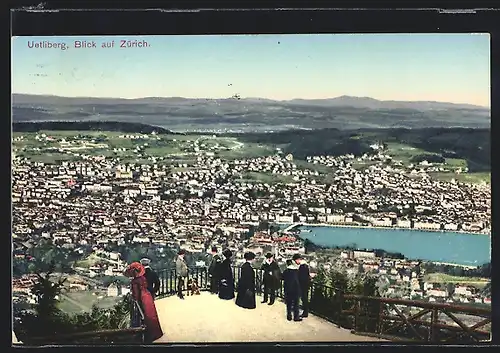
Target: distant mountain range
(251, 114)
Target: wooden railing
(399, 319)
(123, 336)
(393, 319)
(384, 317)
(134, 334)
(445, 322)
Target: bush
(326, 299)
(49, 321)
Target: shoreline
(329, 225)
(313, 225)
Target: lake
(448, 247)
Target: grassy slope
(444, 278)
(173, 149)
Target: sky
(413, 67)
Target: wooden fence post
(380, 317)
(433, 329)
(341, 307)
(356, 314)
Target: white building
(437, 293)
(427, 225)
(114, 290)
(385, 222)
(462, 290)
(335, 218)
(451, 226)
(363, 254)
(284, 219)
(403, 223)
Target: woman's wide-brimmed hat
(249, 255)
(227, 253)
(135, 269)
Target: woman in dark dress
(140, 293)
(246, 284)
(226, 286)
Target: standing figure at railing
(246, 284)
(140, 293)
(214, 271)
(226, 286)
(305, 283)
(151, 276)
(292, 291)
(272, 278)
(182, 272)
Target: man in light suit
(181, 272)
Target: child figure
(292, 291)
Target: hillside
(459, 146)
(251, 114)
(87, 126)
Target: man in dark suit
(214, 271)
(272, 278)
(151, 277)
(292, 291)
(305, 283)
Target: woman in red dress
(140, 292)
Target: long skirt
(226, 292)
(151, 321)
(246, 299)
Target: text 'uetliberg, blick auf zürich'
(87, 44)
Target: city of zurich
(266, 188)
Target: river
(446, 247)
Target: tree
(485, 270)
(31, 268)
(307, 246)
(20, 267)
(46, 291)
(49, 321)
(263, 226)
(339, 280)
(450, 287)
(274, 228)
(251, 232)
(321, 276)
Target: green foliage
(321, 276)
(107, 280)
(431, 158)
(470, 145)
(45, 257)
(47, 291)
(263, 226)
(48, 320)
(328, 298)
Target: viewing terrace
(205, 318)
(334, 317)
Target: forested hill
(117, 126)
(472, 145)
